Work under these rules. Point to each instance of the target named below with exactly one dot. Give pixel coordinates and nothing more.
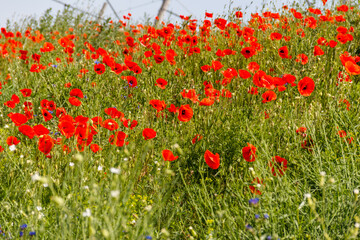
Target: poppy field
(218, 128)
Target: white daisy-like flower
(35, 176)
(71, 164)
(115, 193)
(115, 170)
(100, 168)
(87, 213)
(12, 147)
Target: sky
(15, 10)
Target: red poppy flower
(206, 102)
(268, 96)
(76, 93)
(172, 108)
(114, 113)
(253, 67)
(249, 153)
(318, 51)
(197, 138)
(60, 112)
(1, 149)
(74, 101)
(66, 128)
(284, 52)
(301, 131)
(99, 68)
(216, 65)
(44, 103)
(47, 116)
(40, 130)
(209, 15)
(332, 43)
(238, 14)
(51, 105)
(302, 58)
(253, 91)
(342, 133)
(26, 92)
(18, 118)
(27, 131)
(118, 139)
(248, 52)
(12, 141)
(244, 74)
(132, 125)
(158, 104)
(306, 86)
(205, 68)
(278, 166)
(343, 8)
(190, 94)
(95, 148)
(261, 79)
(290, 79)
(168, 155)
(256, 181)
(45, 144)
(212, 160)
(110, 124)
(352, 68)
(159, 58)
(185, 113)
(161, 83)
(131, 81)
(148, 133)
(275, 36)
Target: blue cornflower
(148, 237)
(54, 66)
(21, 233)
(248, 227)
(257, 216)
(51, 112)
(254, 201)
(23, 226)
(268, 238)
(32, 233)
(266, 216)
(97, 62)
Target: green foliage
(130, 192)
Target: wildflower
(278, 165)
(254, 201)
(87, 213)
(148, 133)
(12, 147)
(248, 153)
(185, 113)
(115, 170)
(212, 160)
(266, 216)
(115, 193)
(168, 155)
